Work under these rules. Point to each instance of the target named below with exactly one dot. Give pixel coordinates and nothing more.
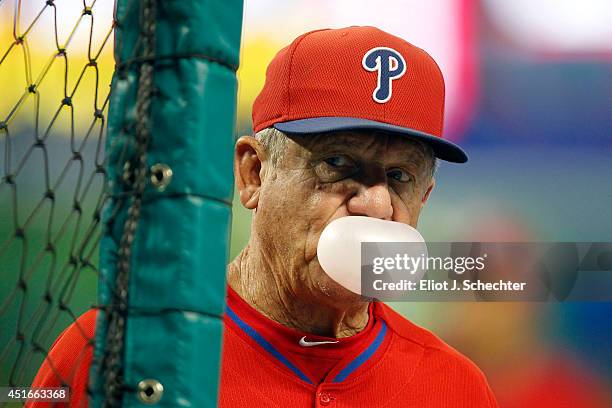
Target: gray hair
(275, 143)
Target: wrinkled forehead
(383, 145)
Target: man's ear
(248, 155)
(428, 192)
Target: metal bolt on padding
(150, 391)
(161, 175)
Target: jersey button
(325, 398)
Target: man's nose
(372, 201)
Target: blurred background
(529, 96)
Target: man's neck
(261, 287)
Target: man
(349, 122)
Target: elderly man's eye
(400, 175)
(335, 168)
(339, 161)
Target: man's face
(321, 178)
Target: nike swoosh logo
(305, 343)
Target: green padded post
(179, 254)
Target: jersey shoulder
(79, 333)
(437, 357)
(68, 360)
(432, 345)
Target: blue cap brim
(443, 149)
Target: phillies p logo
(390, 65)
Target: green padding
(179, 255)
(209, 28)
(192, 126)
(185, 370)
(186, 239)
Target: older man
(349, 122)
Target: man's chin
(333, 292)
(337, 293)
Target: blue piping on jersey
(363, 357)
(265, 344)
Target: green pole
(165, 247)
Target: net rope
(112, 364)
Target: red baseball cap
(355, 78)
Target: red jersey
(391, 363)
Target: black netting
(55, 69)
